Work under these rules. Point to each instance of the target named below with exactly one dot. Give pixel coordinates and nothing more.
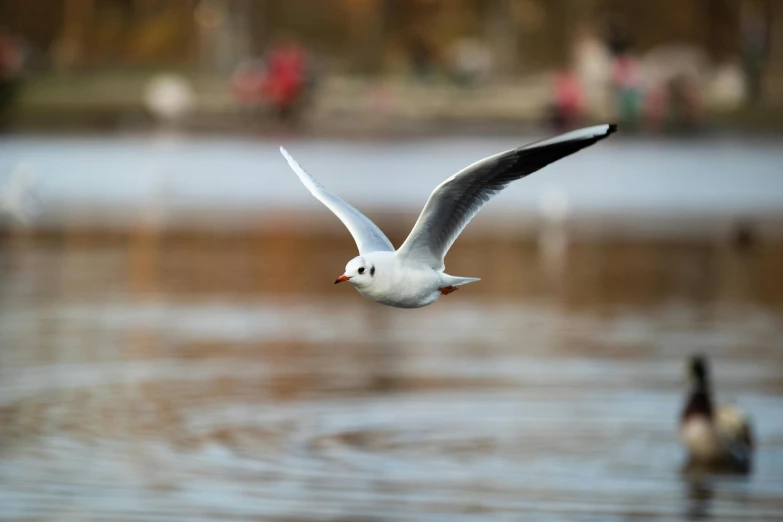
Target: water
(210, 370)
(213, 181)
(220, 375)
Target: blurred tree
(502, 32)
(224, 33)
(367, 29)
(756, 22)
(359, 35)
(722, 18)
(70, 49)
(157, 32)
(773, 80)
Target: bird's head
(359, 272)
(697, 370)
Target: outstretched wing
(367, 235)
(454, 202)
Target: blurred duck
(718, 438)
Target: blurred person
(627, 89)
(286, 79)
(593, 66)
(625, 75)
(10, 54)
(569, 106)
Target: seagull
(413, 276)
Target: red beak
(341, 279)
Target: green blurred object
(629, 105)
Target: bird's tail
(457, 281)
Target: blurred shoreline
(343, 107)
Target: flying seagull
(413, 276)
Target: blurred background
(172, 346)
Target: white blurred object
(593, 66)
(472, 58)
(727, 89)
(553, 205)
(665, 63)
(554, 208)
(19, 200)
(168, 96)
(154, 210)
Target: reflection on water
(198, 376)
(699, 496)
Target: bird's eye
(372, 271)
(361, 270)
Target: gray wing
(367, 235)
(454, 202)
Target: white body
(413, 275)
(725, 439)
(702, 439)
(404, 284)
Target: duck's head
(697, 370)
(699, 401)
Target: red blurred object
(625, 72)
(568, 94)
(569, 102)
(626, 80)
(279, 80)
(285, 75)
(10, 55)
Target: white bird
(413, 276)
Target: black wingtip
(612, 129)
